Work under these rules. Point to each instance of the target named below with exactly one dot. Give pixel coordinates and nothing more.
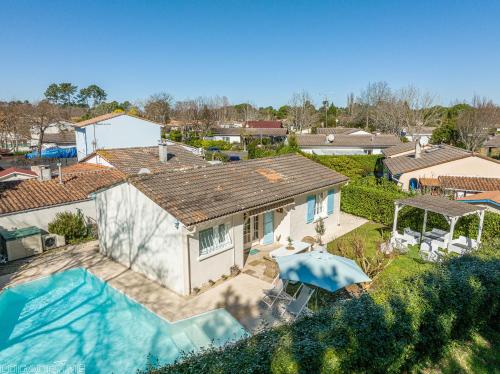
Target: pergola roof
(440, 205)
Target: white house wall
(465, 167)
(136, 232)
(118, 132)
(42, 217)
(233, 139)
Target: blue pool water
(74, 322)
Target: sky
(250, 51)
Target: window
(319, 205)
(255, 235)
(214, 239)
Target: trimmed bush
(353, 166)
(70, 225)
(400, 328)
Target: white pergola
(450, 209)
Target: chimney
(418, 148)
(60, 173)
(43, 171)
(162, 151)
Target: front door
(268, 228)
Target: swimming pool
(74, 321)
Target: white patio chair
(411, 236)
(298, 304)
(463, 245)
(277, 291)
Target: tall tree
(62, 93)
(302, 113)
(158, 107)
(474, 123)
(92, 95)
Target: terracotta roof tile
(14, 170)
(430, 157)
(493, 196)
(130, 161)
(17, 196)
(469, 183)
(198, 195)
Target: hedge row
(352, 166)
(388, 331)
(376, 203)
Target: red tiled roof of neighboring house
(108, 116)
(429, 182)
(198, 195)
(264, 124)
(469, 183)
(493, 196)
(14, 170)
(83, 167)
(18, 196)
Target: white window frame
(220, 240)
(320, 208)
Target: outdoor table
(283, 251)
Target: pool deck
(240, 295)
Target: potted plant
(320, 229)
(290, 244)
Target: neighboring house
(460, 186)
(342, 144)
(436, 161)
(341, 130)
(115, 130)
(16, 174)
(63, 139)
(130, 161)
(402, 149)
(424, 133)
(185, 228)
(237, 135)
(36, 201)
(263, 124)
(489, 199)
(492, 146)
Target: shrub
(70, 225)
(391, 330)
(353, 166)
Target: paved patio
(240, 295)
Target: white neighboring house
(409, 167)
(115, 130)
(346, 144)
(236, 135)
(16, 174)
(424, 133)
(185, 228)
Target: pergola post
(481, 223)
(424, 226)
(452, 229)
(397, 208)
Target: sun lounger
(298, 304)
(278, 291)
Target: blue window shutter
(329, 205)
(311, 201)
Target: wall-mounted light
(176, 224)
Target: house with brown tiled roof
(437, 161)
(167, 156)
(115, 130)
(488, 199)
(346, 144)
(15, 174)
(36, 201)
(185, 228)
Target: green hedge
(401, 328)
(351, 166)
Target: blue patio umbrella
(322, 269)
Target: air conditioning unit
(52, 241)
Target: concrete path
(240, 295)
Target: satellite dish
(423, 141)
(330, 138)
